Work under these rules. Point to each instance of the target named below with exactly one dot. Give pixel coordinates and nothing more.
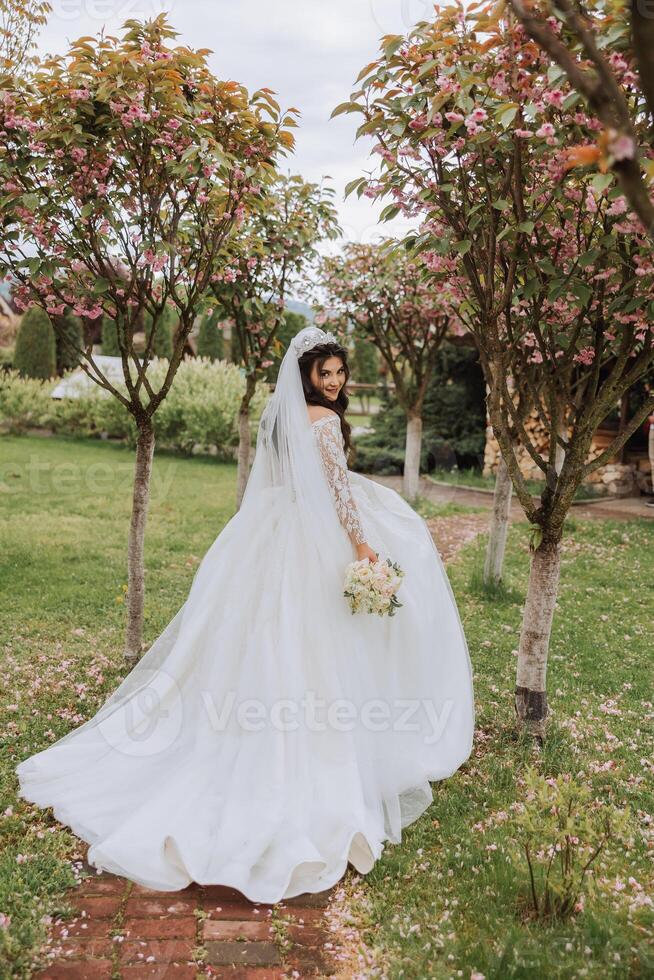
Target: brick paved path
(122, 930)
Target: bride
(269, 735)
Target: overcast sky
(308, 51)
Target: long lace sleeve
(330, 444)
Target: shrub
(163, 339)
(559, 834)
(109, 340)
(24, 402)
(6, 358)
(454, 420)
(211, 342)
(35, 355)
(68, 326)
(201, 408)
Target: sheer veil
(287, 459)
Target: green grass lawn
(448, 901)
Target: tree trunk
(530, 691)
(411, 481)
(499, 525)
(135, 567)
(244, 440)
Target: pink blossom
(555, 97)
(78, 153)
(419, 123)
(547, 129)
(157, 262)
(76, 94)
(619, 206)
(622, 148)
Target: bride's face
(331, 377)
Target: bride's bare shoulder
(320, 412)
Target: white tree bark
(135, 563)
(411, 480)
(244, 440)
(499, 526)
(530, 691)
(243, 466)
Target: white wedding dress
(269, 736)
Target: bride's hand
(365, 551)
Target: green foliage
(7, 357)
(454, 419)
(24, 402)
(291, 324)
(365, 361)
(559, 832)
(109, 337)
(36, 355)
(167, 323)
(199, 414)
(454, 414)
(68, 328)
(211, 342)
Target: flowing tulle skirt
(269, 736)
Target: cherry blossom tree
(607, 57)
(20, 21)
(473, 130)
(382, 293)
(269, 256)
(124, 167)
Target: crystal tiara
(311, 338)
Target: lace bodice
(330, 443)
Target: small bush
(24, 402)
(167, 323)
(211, 342)
(109, 339)
(69, 331)
(6, 358)
(560, 832)
(36, 355)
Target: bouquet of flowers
(372, 586)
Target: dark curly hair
(318, 355)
